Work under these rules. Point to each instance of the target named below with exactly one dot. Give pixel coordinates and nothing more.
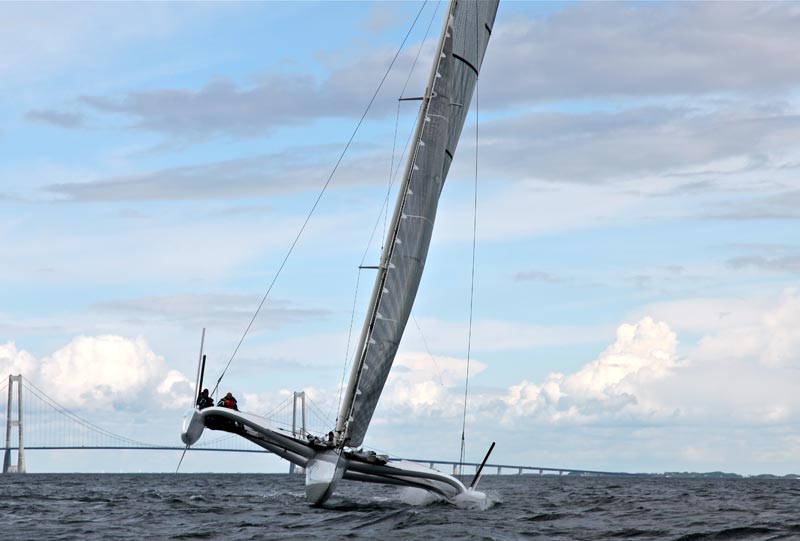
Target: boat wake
(471, 499)
(477, 500)
(418, 497)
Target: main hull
(324, 464)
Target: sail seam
(467, 62)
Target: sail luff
(347, 403)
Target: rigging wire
(474, 237)
(385, 206)
(316, 202)
(425, 342)
(350, 334)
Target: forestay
(461, 49)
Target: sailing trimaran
(462, 44)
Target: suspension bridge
(35, 421)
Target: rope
(474, 238)
(350, 331)
(425, 342)
(316, 202)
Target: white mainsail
(462, 45)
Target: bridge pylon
(298, 395)
(20, 467)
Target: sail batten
(402, 263)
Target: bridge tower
(20, 467)
(298, 395)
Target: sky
(637, 252)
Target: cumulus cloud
(729, 400)
(175, 385)
(14, 361)
(767, 338)
(608, 387)
(740, 371)
(427, 386)
(104, 372)
(642, 353)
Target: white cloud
(758, 329)
(104, 372)
(609, 385)
(14, 361)
(782, 341)
(174, 387)
(736, 373)
(423, 386)
(707, 315)
(640, 403)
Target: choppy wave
(238, 507)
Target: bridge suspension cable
(74, 417)
(50, 425)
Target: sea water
(247, 506)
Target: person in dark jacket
(204, 401)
